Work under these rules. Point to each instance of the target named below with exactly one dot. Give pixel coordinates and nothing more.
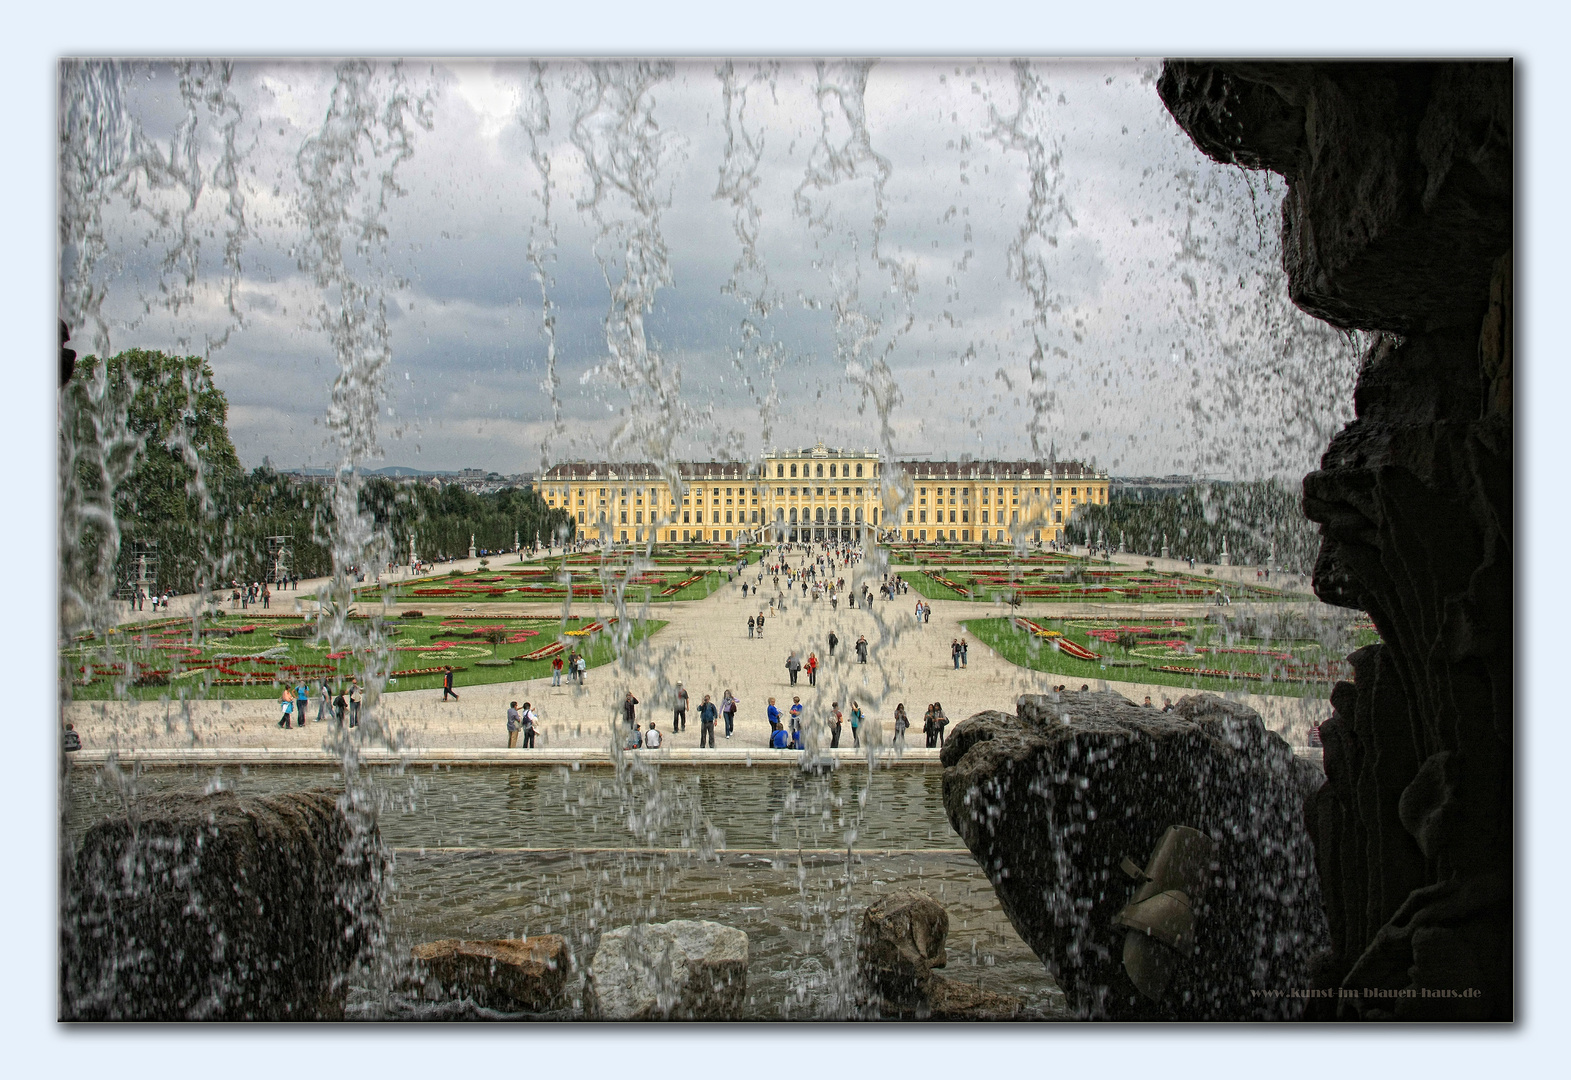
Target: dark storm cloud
(1158, 269)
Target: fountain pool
(789, 858)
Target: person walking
(761, 620)
(679, 714)
(340, 706)
(793, 665)
(447, 685)
(728, 706)
(286, 706)
(940, 722)
(630, 710)
(833, 641)
(324, 703)
(835, 720)
(707, 713)
(929, 729)
(856, 724)
(302, 701)
(861, 649)
(515, 724)
(812, 669)
(556, 670)
(750, 627)
(354, 701)
(954, 652)
(902, 722)
(773, 712)
(964, 648)
(530, 721)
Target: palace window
(923, 517)
(1058, 516)
(820, 492)
(984, 517)
(793, 470)
(831, 470)
(779, 470)
(685, 516)
(624, 517)
(728, 517)
(820, 511)
(779, 491)
(580, 517)
(859, 470)
(910, 516)
(638, 518)
(820, 472)
(965, 515)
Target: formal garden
(1084, 583)
(527, 582)
(255, 654)
(1261, 655)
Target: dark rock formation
(508, 975)
(685, 969)
(1398, 220)
(951, 999)
(1053, 799)
(218, 907)
(899, 943)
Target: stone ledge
(461, 756)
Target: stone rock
(1053, 799)
(508, 975)
(1399, 219)
(899, 943)
(219, 907)
(686, 969)
(951, 999)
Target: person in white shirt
(652, 737)
(531, 722)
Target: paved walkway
(705, 645)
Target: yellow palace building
(818, 493)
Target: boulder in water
(686, 969)
(899, 943)
(508, 975)
(1053, 800)
(219, 907)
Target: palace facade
(818, 493)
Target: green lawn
(1291, 667)
(536, 583)
(1082, 584)
(259, 661)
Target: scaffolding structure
(280, 557)
(141, 573)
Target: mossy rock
(295, 633)
(493, 661)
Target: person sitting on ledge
(635, 738)
(73, 741)
(777, 738)
(652, 737)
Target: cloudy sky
(922, 257)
